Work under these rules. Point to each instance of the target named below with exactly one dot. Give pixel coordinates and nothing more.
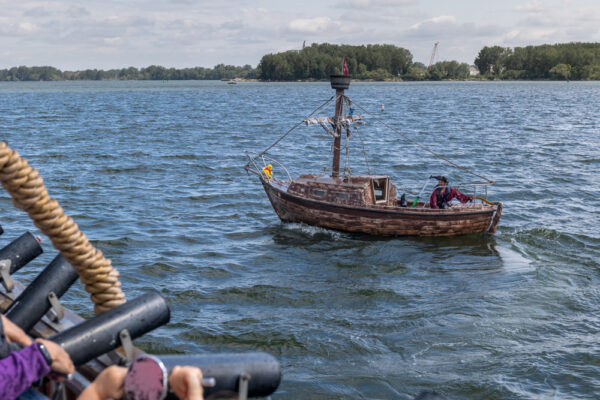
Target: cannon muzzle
(101, 334)
(20, 251)
(33, 303)
(261, 370)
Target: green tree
(415, 73)
(561, 71)
(492, 60)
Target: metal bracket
(127, 345)
(7, 281)
(56, 311)
(243, 385)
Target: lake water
(152, 173)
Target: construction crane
(432, 55)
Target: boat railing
(475, 186)
(253, 157)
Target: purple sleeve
(433, 199)
(20, 369)
(463, 198)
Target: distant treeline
(318, 61)
(576, 61)
(152, 72)
(579, 61)
(374, 61)
(386, 62)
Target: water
(151, 172)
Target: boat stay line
(420, 145)
(295, 126)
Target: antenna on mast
(435, 46)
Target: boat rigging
(365, 203)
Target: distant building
(473, 70)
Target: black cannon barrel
(226, 369)
(100, 334)
(20, 251)
(33, 303)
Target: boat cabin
(351, 191)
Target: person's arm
(186, 383)
(14, 334)
(20, 369)
(6, 347)
(61, 361)
(463, 198)
(109, 384)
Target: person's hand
(61, 362)
(186, 383)
(14, 334)
(109, 384)
(471, 198)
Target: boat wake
(312, 231)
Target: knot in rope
(28, 193)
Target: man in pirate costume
(442, 194)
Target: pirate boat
(366, 203)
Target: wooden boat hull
(377, 220)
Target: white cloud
(534, 6)
(312, 25)
(544, 22)
(444, 20)
(370, 4)
(18, 29)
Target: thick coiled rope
(28, 193)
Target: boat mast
(339, 83)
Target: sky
(106, 34)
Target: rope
(421, 146)
(28, 193)
(491, 203)
(294, 127)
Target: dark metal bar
(226, 369)
(337, 142)
(339, 83)
(100, 334)
(33, 303)
(21, 251)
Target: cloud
(371, 4)
(78, 12)
(37, 12)
(312, 25)
(447, 26)
(19, 29)
(534, 6)
(545, 22)
(434, 23)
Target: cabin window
(380, 190)
(319, 193)
(342, 196)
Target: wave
(312, 231)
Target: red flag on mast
(345, 70)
